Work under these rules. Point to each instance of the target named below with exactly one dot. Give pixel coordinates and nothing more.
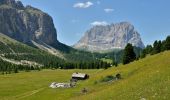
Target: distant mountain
(109, 37)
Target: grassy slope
(148, 78)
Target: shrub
(118, 76)
(107, 78)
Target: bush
(107, 78)
(118, 76)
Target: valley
(124, 57)
(139, 81)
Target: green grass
(25, 84)
(147, 78)
(107, 60)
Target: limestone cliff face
(114, 36)
(26, 24)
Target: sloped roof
(80, 75)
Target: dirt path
(27, 94)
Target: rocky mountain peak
(113, 36)
(13, 3)
(26, 24)
(32, 8)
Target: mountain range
(109, 37)
(28, 33)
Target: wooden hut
(80, 76)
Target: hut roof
(80, 75)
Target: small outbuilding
(80, 76)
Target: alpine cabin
(80, 76)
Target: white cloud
(83, 5)
(108, 10)
(99, 23)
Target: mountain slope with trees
(147, 78)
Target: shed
(80, 76)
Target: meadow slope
(147, 78)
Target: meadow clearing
(148, 78)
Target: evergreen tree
(163, 46)
(144, 53)
(16, 70)
(149, 49)
(129, 54)
(167, 43)
(157, 47)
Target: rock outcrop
(105, 38)
(26, 24)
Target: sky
(72, 18)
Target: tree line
(8, 68)
(157, 47)
(96, 64)
(91, 60)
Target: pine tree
(149, 49)
(16, 70)
(167, 43)
(157, 47)
(163, 46)
(143, 54)
(129, 54)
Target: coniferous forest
(83, 59)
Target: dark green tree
(116, 64)
(16, 70)
(129, 54)
(167, 43)
(144, 53)
(149, 49)
(157, 47)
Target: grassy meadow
(147, 79)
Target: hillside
(18, 53)
(146, 79)
(15, 52)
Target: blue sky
(72, 18)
